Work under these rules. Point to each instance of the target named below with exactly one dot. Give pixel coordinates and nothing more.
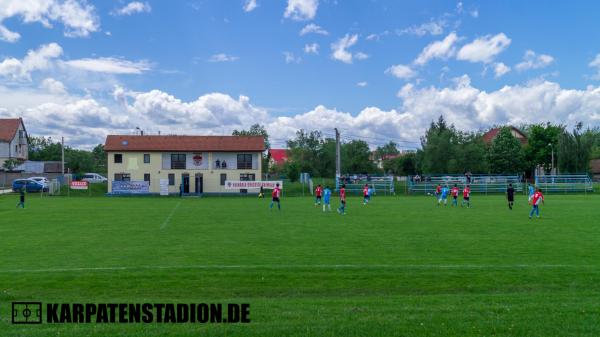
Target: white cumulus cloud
(484, 49)
(500, 69)
(133, 7)
(35, 60)
(314, 29)
(53, 86)
(596, 65)
(78, 17)
(401, 71)
(222, 57)
(301, 10)
(312, 48)
(340, 48)
(250, 5)
(533, 61)
(439, 49)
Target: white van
(93, 178)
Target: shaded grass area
(398, 267)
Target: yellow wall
(133, 163)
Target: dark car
(29, 186)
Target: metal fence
(477, 183)
(355, 183)
(565, 183)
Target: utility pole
(338, 162)
(62, 150)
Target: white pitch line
(168, 219)
(294, 266)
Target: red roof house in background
(489, 136)
(278, 156)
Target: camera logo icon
(26, 312)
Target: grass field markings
(168, 219)
(306, 266)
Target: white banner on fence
(235, 184)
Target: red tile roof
(279, 156)
(8, 128)
(489, 136)
(184, 143)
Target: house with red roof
(277, 157)
(13, 140)
(489, 136)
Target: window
(122, 177)
(147, 177)
(244, 161)
(178, 161)
(223, 178)
(247, 177)
(118, 158)
(171, 179)
(146, 158)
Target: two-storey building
(196, 164)
(13, 140)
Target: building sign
(197, 158)
(78, 185)
(268, 185)
(130, 187)
(164, 187)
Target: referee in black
(510, 196)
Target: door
(186, 183)
(198, 183)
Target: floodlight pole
(62, 150)
(338, 165)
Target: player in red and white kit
(276, 194)
(466, 196)
(366, 195)
(454, 193)
(318, 195)
(538, 198)
(438, 190)
(342, 208)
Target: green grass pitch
(398, 267)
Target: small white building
(13, 140)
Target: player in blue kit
(327, 199)
(531, 193)
(443, 196)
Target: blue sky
(378, 70)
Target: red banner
(79, 185)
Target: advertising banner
(78, 185)
(130, 187)
(236, 184)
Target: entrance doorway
(186, 182)
(198, 183)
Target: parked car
(93, 178)
(29, 186)
(42, 180)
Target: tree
(438, 149)
(355, 157)
(542, 139)
(506, 154)
(386, 150)
(10, 164)
(255, 130)
(402, 166)
(292, 171)
(574, 150)
(304, 150)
